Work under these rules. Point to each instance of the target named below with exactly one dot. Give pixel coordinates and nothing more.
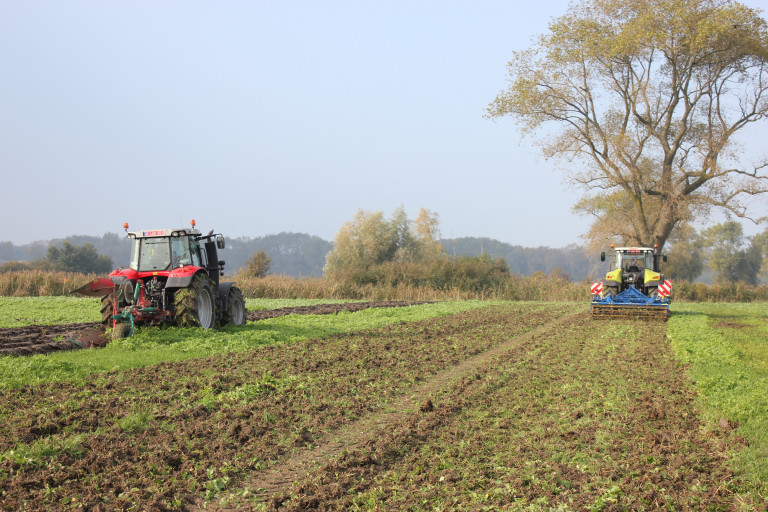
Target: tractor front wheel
(195, 306)
(235, 313)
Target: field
(450, 406)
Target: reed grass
(536, 287)
(40, 283)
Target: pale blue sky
(267, 116)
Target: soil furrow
(408, 409)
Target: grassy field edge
(724, 348)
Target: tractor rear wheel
(235, 313)
(107, 309)
(195, 306)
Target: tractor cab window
(154, 254)
(180, 254)
(196, 261)
(634, 261)
(135, 251)
(649, 260)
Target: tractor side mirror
(220, 242)
(602, 256)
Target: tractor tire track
(362, 445)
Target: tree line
(372, 248)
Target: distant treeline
(572, 262)
(303, 255)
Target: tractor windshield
(634, 261)
(151, 254)
(162, 253)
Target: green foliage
(731, 292)
(20, 311)
(731, 257)
(370, 240)
(136, 421)
(373, 251)
(761, 241)
(37, 453)
(724, 346)
(685, 258)
(256, 266)
(71, 258)
(465, 273)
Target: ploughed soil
(41, 339)
(509, 407)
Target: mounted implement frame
(630, 303)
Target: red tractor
(173, 278)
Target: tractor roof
(634, 249)
(163, 233)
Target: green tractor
(634, 286)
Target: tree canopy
(732, 257)
(257, 265)
(642, 100)
(75, 258)
(370, 240)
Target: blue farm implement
(630, 303)
(633, 287)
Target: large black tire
(195, 306)
(235, 313)
(107, 309)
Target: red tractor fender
(182, 277)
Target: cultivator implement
(631, 303)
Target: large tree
(642, 101)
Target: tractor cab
(165, 250)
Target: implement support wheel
(121, 331)
(107, 309)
